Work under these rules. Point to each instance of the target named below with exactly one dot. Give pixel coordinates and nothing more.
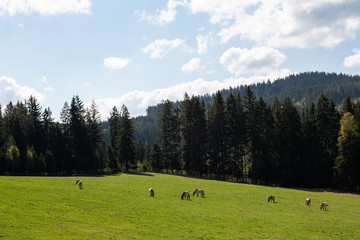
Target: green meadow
(120, 207)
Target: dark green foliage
(218, 148)
(169, 135)
(287, 139)
(125, 140)
(347, 164)
(235, 130)
(194, 134)
(32, 143)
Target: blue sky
(140, 52)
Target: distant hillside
(303, 89)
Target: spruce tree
(125, 140)
(218, 151)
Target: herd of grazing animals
(186, 195)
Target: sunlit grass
(120, 207)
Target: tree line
(238, 138)
(245, 139)
(31, 142)
(303, 89)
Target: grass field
(119, 207)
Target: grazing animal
(323, 206)
(151, 191)
(271, 198)
(308, 201)
(197, 191)
(185, 195)
(79, 183)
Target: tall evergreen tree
(125, 140)
(95, 136)
(156, 158)
(218, 151)
(169, 134)
(311, 144)
(194, 133)
(235, 130)
(35, 131)
(113, 149)
(328, 128)
(251, 128)
(261, 144)
(80, 143)
(288, 129)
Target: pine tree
(288, 129)
(251, 128)
(194, 133)
(328, 128)
(156, 158)
(80, 143)
(311, 143)
(169, 134)
(235, 129)
(36, 133)
(113, 149)
(218, 138)
(95, 136)
(125, 140)
(261, 144)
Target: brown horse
(79, 183)
(197, 191)
(308, 201)
(185, 195)
(151, 191)
(323, 206)
(271, 198)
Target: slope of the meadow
(120, 207)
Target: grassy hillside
(119, 207)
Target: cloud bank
(353, 60)
(275, 23)
(256, 60)
(138, 101)
(10, 90)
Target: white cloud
(44, 7)
(138, 101)
(353, 60)
(256, 60)
(160, 47)
(10, 90)
(46, 86)
(283, 23)
(162, 16)
(201, 44)
(116, 63)
(192, 65)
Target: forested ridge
(235, 134)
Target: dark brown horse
(79, 183)
(151, 191)
(271, 198)
(308, 201)
(197, 191)
(185, 195)
(323, 206)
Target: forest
(235, 137)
